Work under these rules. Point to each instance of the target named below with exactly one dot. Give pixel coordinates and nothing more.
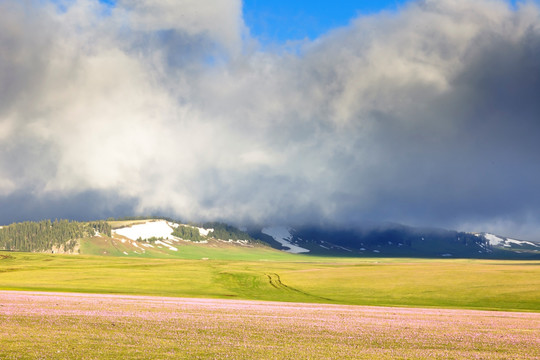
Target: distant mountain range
(148, 236)
(391, 240)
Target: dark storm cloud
(83, 206)
(428, 116)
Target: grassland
(63, 326)
(269, 275)
(197, 307)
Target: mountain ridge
(161, 237)
(396, 240)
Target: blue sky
(282, 20)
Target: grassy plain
(82, 326)
(274, 276)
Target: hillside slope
(155, 238)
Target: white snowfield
(158, 229)
(494, 240)
(282, 235)
(499, 241)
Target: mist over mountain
(395, 240)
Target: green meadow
(265, 274)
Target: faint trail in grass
(275, 281)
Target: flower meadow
(91, 326)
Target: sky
(424, 113)
(282, 21)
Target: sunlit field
(473, 284)
(76, 326)
(313, 308)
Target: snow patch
(499, 241)
(204, 232)
(343, 248)
(167, 245)
(283, 236)
(521, 242)
(159, 229)
(494, 240)
(240, 242)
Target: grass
(85, 326)
(269, 275)
(60, 326)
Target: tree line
(226, 232)
(220, 231)
(43, 235)
(188, 233)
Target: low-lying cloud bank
(426, 116)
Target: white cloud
(427, 116)
(220, 20)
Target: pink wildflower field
(84, 326)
